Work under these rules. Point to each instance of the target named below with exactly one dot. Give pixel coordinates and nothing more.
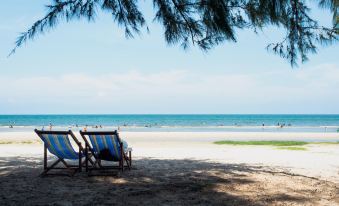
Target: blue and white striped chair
(58, 143)
(107, 146)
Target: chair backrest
(58, 143)
(105, 145)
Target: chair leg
(97, 163)
(122, 156)
(50, 167)
(90, 159)
(128, 162)
(70, 169)
(45, 156)
(86, 156)
(130, 158)
(87, 160)
(80, 165)
(73, 172)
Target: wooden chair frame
(97, 163)
(71, 168)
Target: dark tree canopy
(207, 23)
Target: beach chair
(58, 143)
(106, 146)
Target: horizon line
(36, 114)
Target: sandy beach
(181, 168)
(219, 102)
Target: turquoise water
(296, 123)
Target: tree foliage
(206, 23)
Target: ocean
(177, 122)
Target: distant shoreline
(147, 128)
(194, 137)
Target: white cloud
(312, 90)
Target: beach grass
(292, 148)
(18, 142)
(263, 143)
(324, 142)
(5, 142)
(28, 142)
(283, 145)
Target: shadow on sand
(161, 182)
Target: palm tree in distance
(206, 23)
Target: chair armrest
(129, 149)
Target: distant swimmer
(50, 126)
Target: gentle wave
(317, 129)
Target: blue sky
(82, 67)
